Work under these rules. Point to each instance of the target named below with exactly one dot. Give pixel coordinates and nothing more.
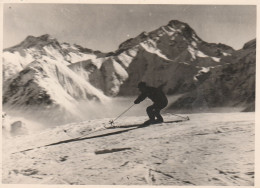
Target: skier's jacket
(155, 94)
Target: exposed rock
(232, 84)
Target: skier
(159, 99)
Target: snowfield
(210, 149)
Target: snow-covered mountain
(46, 81)
(166, 53)
(158, 57)
(42, 72)
(36, 76)
(33, 48)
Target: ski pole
(112, 121)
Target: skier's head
(141, 86)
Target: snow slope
(213, 149)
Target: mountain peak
(45, 37)
(250, 44)
(176, 23)
(32, 41)
(187, 31)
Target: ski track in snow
(210, 149)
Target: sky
(105, 26)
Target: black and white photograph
(131, 93)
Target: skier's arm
(140, 98)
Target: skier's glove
(136, 102)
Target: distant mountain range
(44, 73)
